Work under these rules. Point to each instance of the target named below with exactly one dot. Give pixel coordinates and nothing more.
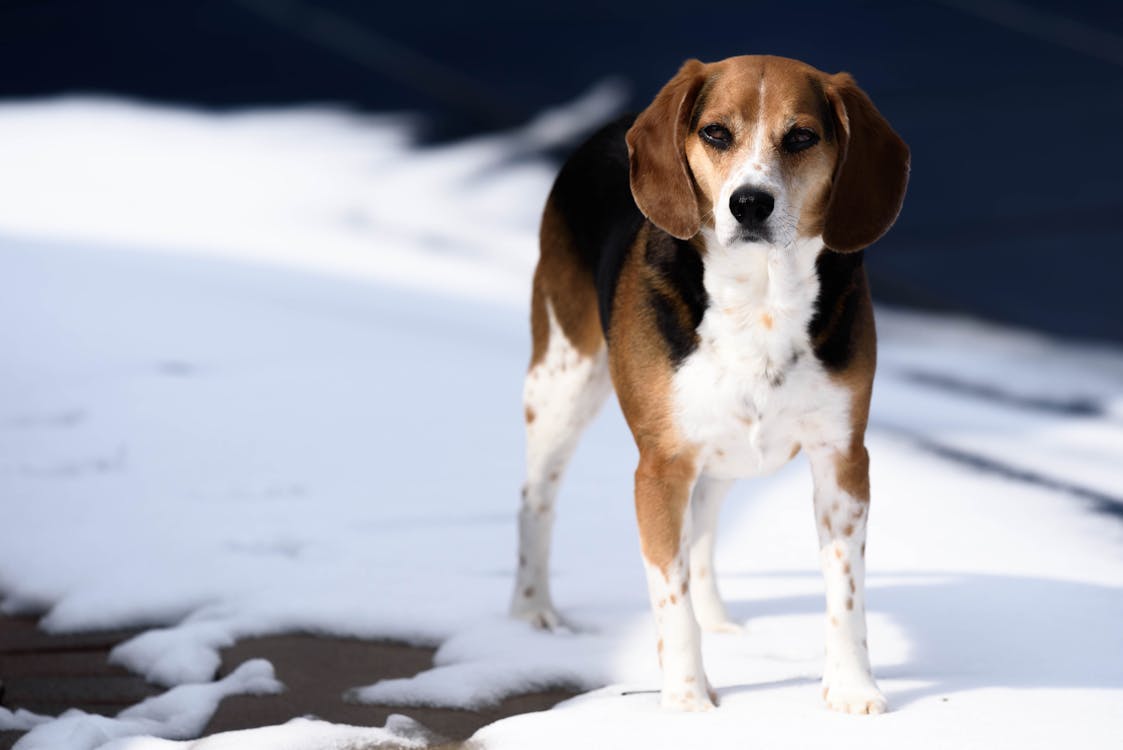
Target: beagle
(704, 259)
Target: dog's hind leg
(565, 387)
(705, 505)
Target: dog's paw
(858, 696)
(541, 618)
(688, 700)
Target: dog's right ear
(662, 184)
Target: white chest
(753, 392)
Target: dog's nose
(751, 206)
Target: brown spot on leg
(530, 415)
(852, 470)
(834, 621)
(850, 602)
(685, 587)
(863, 549)
(674, 599)
(853, 586)
(554, 476)
(846, 567)
(528, 592)
(838, 552)
(795, 450)
(849, 530)
(827, 523)
(766, 321)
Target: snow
(262, 374)
(180, 712)
(400, 733)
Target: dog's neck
(754, 279)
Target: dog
(705, 260)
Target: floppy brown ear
(662, 185)
(872, 172)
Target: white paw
(542, 617)
(854, 696)
(689, 698)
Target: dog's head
(767, 150)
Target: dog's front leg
(663, 486)
(842, 499)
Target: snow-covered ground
(262, 373)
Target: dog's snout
(751, 206)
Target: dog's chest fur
(752, 391)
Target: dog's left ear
(872, 172)
(662, 184)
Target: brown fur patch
(530, 415)
(852, 470)
(641, 369)
(567, 286)
(662, 491)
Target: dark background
(1013, 110)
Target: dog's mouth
(753, 235)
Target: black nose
(751, 206)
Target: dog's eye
(798, 139)
(717, 136)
